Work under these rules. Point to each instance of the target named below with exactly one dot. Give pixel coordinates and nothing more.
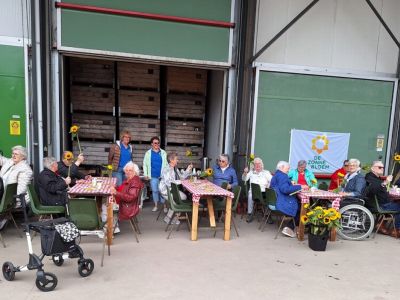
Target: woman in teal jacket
(301, 173)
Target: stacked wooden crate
(185, 114)
(139, 102)
(92, 99)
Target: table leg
(301, 225)
(195, 218)
(332, 236)
(211, 214)
(228, 212)
(109, 222)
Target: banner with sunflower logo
(323, 151)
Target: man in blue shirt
(223, 172)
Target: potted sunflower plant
(320, 222)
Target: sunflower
(334, 217)
(68, 155)
(327, 220)
(306, 205)
(109, 167)
(209, 172)
(304, 219)
(314, 181)
(310, 213)
(396, 157)
(74, 129)
(339, 174)
(189, 153)
(251, 157)
(338, 215)
(320, 216)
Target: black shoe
(249, 218)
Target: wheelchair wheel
(357, 222)
(8, 271)
(85, 267)
(46, 283)
(58, 260)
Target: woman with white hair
(285, 202)
(16, 170)
(355, 181)
(127, 194)
(258, 176)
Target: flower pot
(318, 242)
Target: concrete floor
(253, 266)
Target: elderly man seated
(67, 167)
(52, 187)
(355, 181)
(302, 175)
(224, 172)
(377, 187)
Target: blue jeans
(120, 175)
(396, 207)
(154, 190)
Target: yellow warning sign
(15, 127)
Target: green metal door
(12, 98)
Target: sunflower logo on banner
(324, 152)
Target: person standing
(155, 159)
(120, 154)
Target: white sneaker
(116, 230)
(154, 208)
(101, 234)
(288, 232)
(3, 223)
(176, 221)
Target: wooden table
(206, 189)
(305, 197)
(102, 189)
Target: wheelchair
(357, 222)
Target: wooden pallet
(136, 75)
(138, 153)
(139, 102)
(92, 71)
(142, 129)
(86, 98)
(185, 132)
(186, 80)
(95, 153)
(184, 161)
(186, 106)
(95, 126)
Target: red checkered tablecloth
(86, 187)
(335, 198)
(201, 188)
(394, 194)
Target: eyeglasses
(379, 167)
(221, 160)
(156, 143)
(346, 165)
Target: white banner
(324, 152)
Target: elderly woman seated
(127, 194)
(302, 175)
(171, 174)
(285, 202)
(15, 170)
(258, 176)
(355, 181)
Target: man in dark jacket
(52, 187)
(68, 168)
(378, 187)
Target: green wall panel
(150, 37)
(331, 104)
(12, 96)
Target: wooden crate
(138, 153)
(185, 132)
(92, 71)
(138, 75)
(184, 161)
(86, 98)
(96, 153)
(186, 106)
(95, 126)
(186, 80)
(139, 102)
(142, 129)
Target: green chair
(245, 194)
(6, 206)
(381, 214)
(258, 199)
(178, 210)
(177, 196)
(42, 210)
(270, 196)
(84, 214)
(221, 206)
(323, 186)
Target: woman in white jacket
(16, 170)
